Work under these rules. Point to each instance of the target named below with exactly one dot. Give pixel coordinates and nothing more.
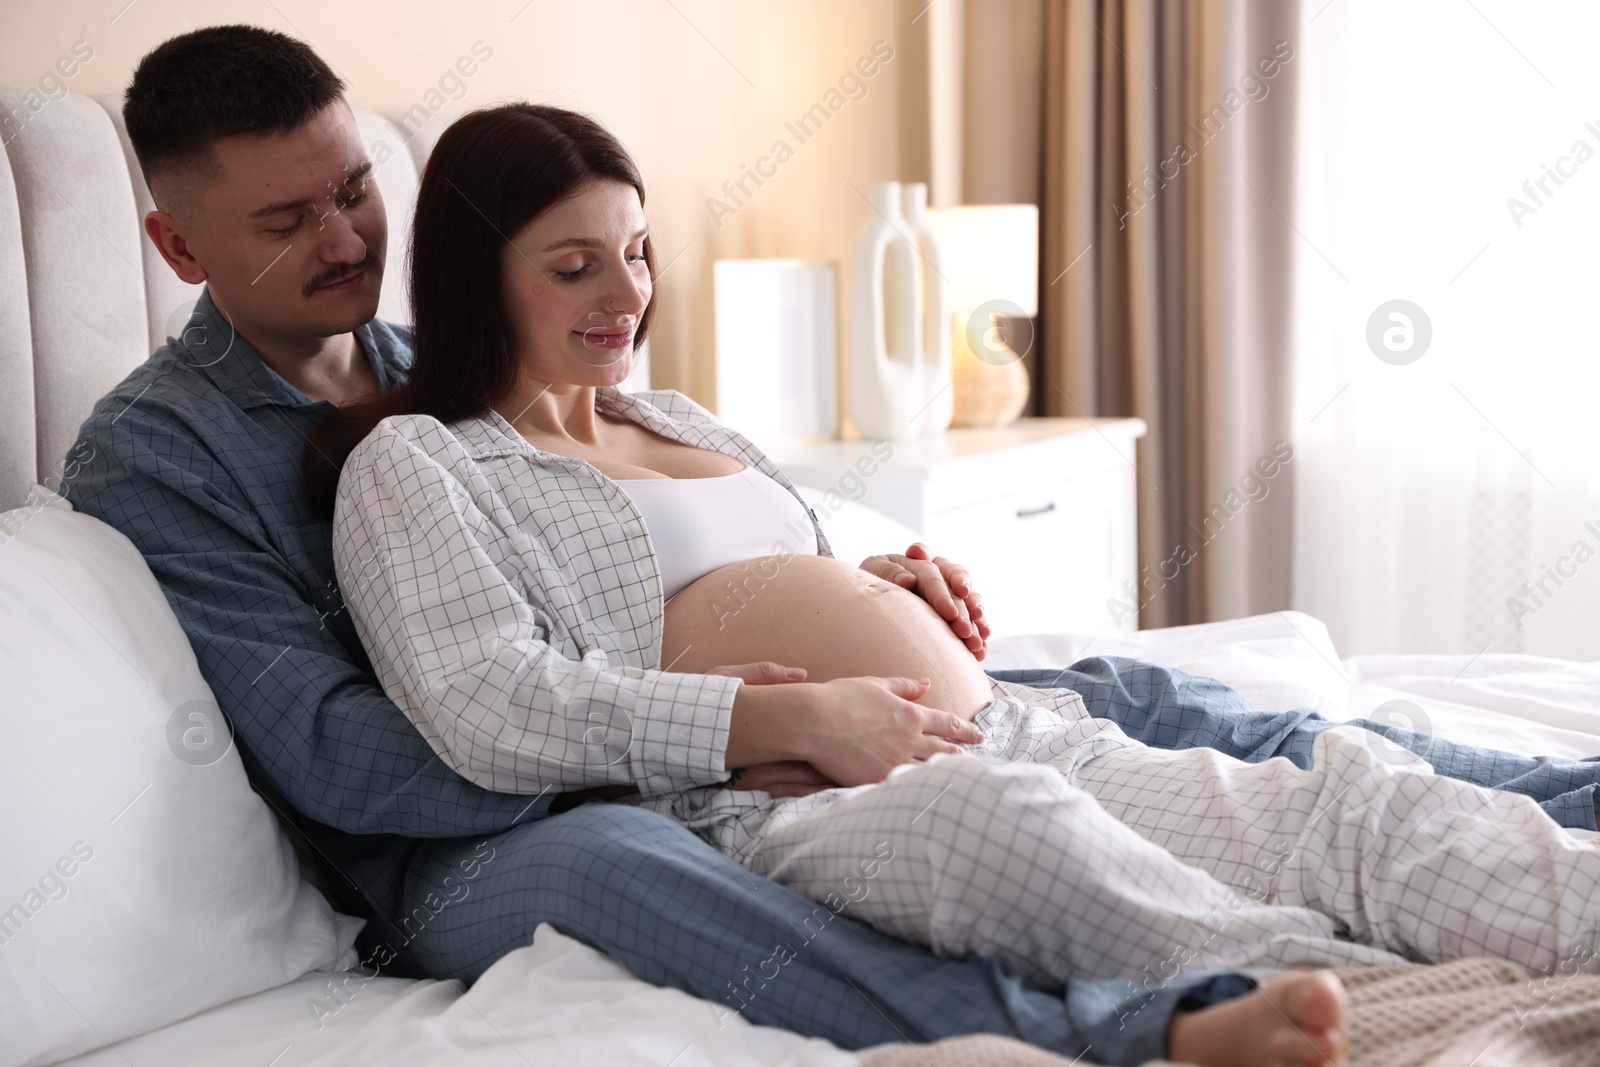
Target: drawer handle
(1043, 509)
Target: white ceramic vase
(892, 378)
(935, 314)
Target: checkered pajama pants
(1066, 850)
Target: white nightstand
(1042, 512)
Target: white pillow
(141, 880)
(1277, 661)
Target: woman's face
(575, 285)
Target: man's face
(292, 236)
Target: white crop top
(700, 524)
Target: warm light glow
(989, 252)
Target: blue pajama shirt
(195, 457)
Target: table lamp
(989, 256)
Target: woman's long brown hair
(492, 172)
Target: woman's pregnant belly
(820, 613)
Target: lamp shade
(989, 252)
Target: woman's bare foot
(1296, 1019)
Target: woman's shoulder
(409, 442)
(404, 432)
(414, 456)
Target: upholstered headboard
(86, 296)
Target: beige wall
(695, 89)
(1002, 102)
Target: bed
(153, 909)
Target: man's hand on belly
(785, 778)
(943, 584)
(765, 672)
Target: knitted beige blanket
(1486, 1013)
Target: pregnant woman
(572, 589)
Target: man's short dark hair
(222, 81)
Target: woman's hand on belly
(823, 615)
(860, 737)
(944, 584)
(854, 731)
(889, 683)
(780, 778)
(879, 729)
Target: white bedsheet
(557, 1001)
(561, 1002)
(1285, 660)
(276, 1027)
(1525, 703)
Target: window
(1448, 447)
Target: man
(264, 194)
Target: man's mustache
(340, 272)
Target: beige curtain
(1165, 276)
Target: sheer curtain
(1449, 157)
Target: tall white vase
(938, 396)
(887, 354)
